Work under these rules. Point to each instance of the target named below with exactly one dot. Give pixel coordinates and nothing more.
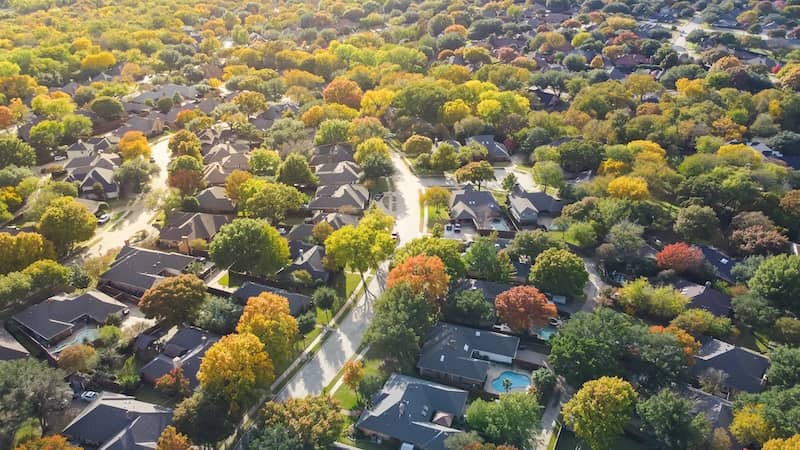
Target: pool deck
(495, 370)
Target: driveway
(137, 216)
(405, 208)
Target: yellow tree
(599, 411)
(352, 373)
(133, 144)
(376, 102)
(172, 440)
(238, 368)
(436, 196)
(268, 318)
(792, 443)
(749, 425)
(234, 182)
(55, 442)
(98, 62)
(631, 188)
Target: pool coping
(495, 370)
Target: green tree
(204, 417)
(332, 131)
(777, 280)
(485, 262)
(784, 369)
(249, 245)
(184, 142)
(548, 174)
(174, 300)
(599, 410)
(669, 419)
(529, 244)
(29, 388)
(512, 419)
(468, 307)
(448, 250)
(295, 171)
(271, 201)
(275, 437)
(264, 162)
(363, 247)
(107, 108)
(76, 127)
(475, 172)
(697, 223)
(561, 272)
(66, 222)
(402, 319)
(45, 137)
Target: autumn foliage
(268, 318)
(172, 440)
(343, 91)
(174, 383)
(424, 274)
(679, 257)
(133, 144)
(687, 341)
(524, 307)
(55, 442)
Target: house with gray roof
(184, 349)
(497, 151)
(94, 169)
(215, 174)
(311, 260)
(474, 207)
(59, 317)
(214, 200)
(118, 422)
(10, 349)
(705, 297)
(718, 411)
(331, 154)
(136, 270)
(745, 369)
(181, 227)
(462, 356)
(414, 412)
(347, 197)
(298, 303)
(334, 174)
(533, 208)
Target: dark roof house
(347, 197)
(721, 262)
(136, 269)
(478, 207)
(118, 422)
(214, 200)
(334, 174)
(10, 349)
(298, 303)
(745, 369)
(185, 349)
(182, 226)
(528, 208)
(461, 356)
(414, 411)
(57, 317)
(705, 297)
(497, 151)
(310, 260)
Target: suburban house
(184, 349)
(302, 232)
(298, 303)
(722, 263)
(10, 349)
(58, 318)
(92, 170)
(168, 90)
(533, 208)
(414, 413)
(718, 411)
(347, 197)
(117, 422)
(705, 297)
(744, 368)
(136, 270)
(215, 175)
(334, 174)
(150, 125)
(476, 208)
(497, 151)
(180, 228)
(214, 200)
(462, 356)
(331, 154)
(308, 258)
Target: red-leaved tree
(680, 257)
(524, 307)
(425, 274)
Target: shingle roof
(10, 349)
(58, 314)
(192, 225)
(497, 151)
(449, 349)
(344, 196)
(406, 408)
(142, 268)
(185, 349)
(119, 422)
(745, 368)
(215, 199)
(705, 297)
(537, 202)
(472, 204)
(344, 172)
(297, 302)
(721, 262)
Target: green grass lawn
(562, 236)
(351, 283)
(753, 340)
(231, 281)
(147, 393)
(345, 395)
(436, 215)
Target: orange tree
(55, 442)
(425, 275)
(524, 307)
(134, 144)
(679, 257)
(172, 440)
(268, 318)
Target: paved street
(344, 341)
(114, 234)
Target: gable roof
(58, 314)
(331, 154)
(720, 261)
(345, 196)
(297, 302)
(166, 91)
(449, 349)
(185, 349)
(311, 260)
(745, 368)
(215, 199)
(472, 204)
(119, 422)
(705, 297)
(10, 349)
(142, 268)
(179, 224)
(416, 411)
(343, 172)
(497, 151)
(489, 289)
(533, 202)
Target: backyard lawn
(437, 215)
(231, 280)
(345, 395)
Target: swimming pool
(78, 337)
(546, 332)
(518, 381)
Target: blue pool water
(78, 337)
(518, 381)
(546, 332)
